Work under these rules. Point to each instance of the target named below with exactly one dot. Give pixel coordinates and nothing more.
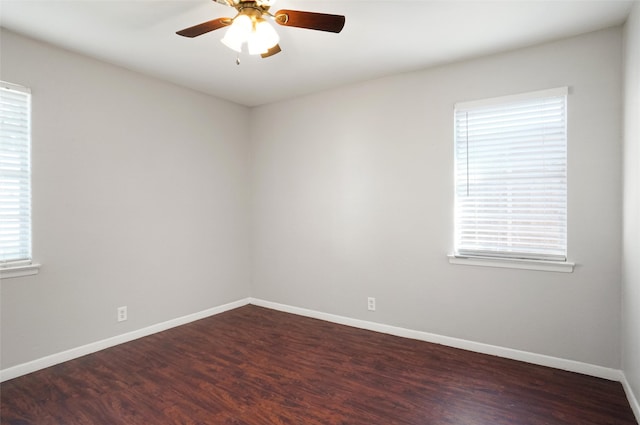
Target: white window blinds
(15, 173)
(511, 176)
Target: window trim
(19, 269)
(505, 261)
(22, 267)
(513, 263)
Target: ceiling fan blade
(205, 27)
(310, 20)
(272, 51)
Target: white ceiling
(381, 37)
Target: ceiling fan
(250, 26)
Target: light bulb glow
(267, 34)
(259, 35)
(255, 45)
(238, 33)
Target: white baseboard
(539, 359)
(74, 353)
(633, 400)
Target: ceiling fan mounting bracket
(251, 6)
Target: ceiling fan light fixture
(238, 33)
(259, 35)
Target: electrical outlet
(371, 304)
(122, 313)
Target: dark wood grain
(205, 27)
(310, 20)
(254, 366)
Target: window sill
(509, 263)
(19, 270)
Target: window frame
(505, 259)
(24, 266)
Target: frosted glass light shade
(238, 33)
(267, 34)
(259, 35)
(262, 38)
(255, 45)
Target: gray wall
(158, 198)
(631, 240)
(140, 195)
(353, 197)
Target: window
(15, 177)
(511, 177)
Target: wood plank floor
(254, 366)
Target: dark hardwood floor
(254, 366)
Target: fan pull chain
(238, 60)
